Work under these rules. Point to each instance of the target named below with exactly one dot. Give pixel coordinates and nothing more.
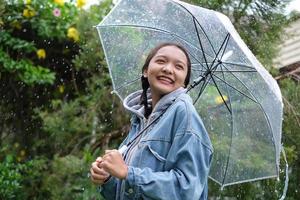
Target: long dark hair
(144, 80)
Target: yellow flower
(59, 2)
(219, 99)
(15, 24)
(61, 89)
(41, 53)
(19, 159)
(73, 34)
(16, 145)
(28, 12)
(22, 153)
(80, 3)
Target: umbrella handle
(286, 182)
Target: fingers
(113, 163)
(97, 170)
(99, 159)
(98, 175)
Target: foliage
(291, 130)
(57, 110)
(68, 179)
(19, 180)
(10, 179)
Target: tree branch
(292, 74)
(105, 140)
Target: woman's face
(167, 71)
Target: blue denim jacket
(172, 157)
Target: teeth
(166, 79)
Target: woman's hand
(98, 175)
(113, 163)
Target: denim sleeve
(108, 189)
(187, 167)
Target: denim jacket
(171, 159)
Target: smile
(165, 79)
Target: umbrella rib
(199, 39)
(196, 58)
(154, 29)
(231, 138)
(128, 83)
(232, 63)
(224, 42)
(200, 70)
(265, 114)
(201, 89)
(242, 84)
(211, 68)
(230, 111)
(238, 64)
(196, 20)
(234, 88)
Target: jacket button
(130, 190)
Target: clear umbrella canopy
(238, 100)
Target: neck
(155, 99)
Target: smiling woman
(168, 70)
(168, 152)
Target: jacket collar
(132, 103)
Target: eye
(180, 67)
(160, 61)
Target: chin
(167, 91)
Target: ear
(145, 73)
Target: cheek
(182, 77)
(151, 77)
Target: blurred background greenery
(57, 113)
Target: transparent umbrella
(238, 100)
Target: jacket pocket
(156, 155)
(152, 159)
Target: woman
(171, 158)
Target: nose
(167, 68)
